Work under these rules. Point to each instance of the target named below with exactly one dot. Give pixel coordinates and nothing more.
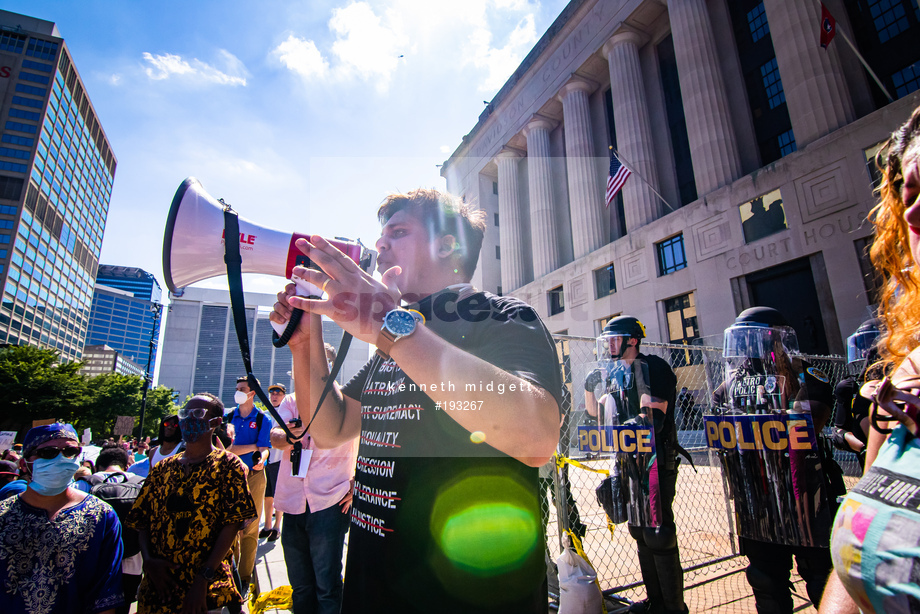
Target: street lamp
(155, 309)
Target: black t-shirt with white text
(439, 522)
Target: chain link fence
(713, 568)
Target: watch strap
(385, 343)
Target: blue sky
(303, 115)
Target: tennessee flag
(828, 26)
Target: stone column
(816, 93)
(633, 127)
(510, 235)
(542, 204)
(713, 147)
(585, 193)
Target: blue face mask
(50, 477)
(193, 428)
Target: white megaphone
(193, 246)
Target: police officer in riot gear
(783, 502)
(851, 420)
(649, 384)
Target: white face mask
(240, 397)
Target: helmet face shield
(604, 343)
(758, 347)
(859, 344)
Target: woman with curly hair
(876, 539)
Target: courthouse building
(749, 146)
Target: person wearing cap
(60, 549)
(646, 383)
(272, 530)
(10, 482)
(188, 513)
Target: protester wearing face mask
(251, 443)
(60, 549)
(188, 514)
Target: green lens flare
(484, 526)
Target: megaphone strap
(238, 307)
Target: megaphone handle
(281, 333)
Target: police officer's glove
(594, 378)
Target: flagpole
(859, 56)
(632, 170)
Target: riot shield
(770, 460)
(625, 434)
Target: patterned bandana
(38, 435)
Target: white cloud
(302, 57)
(364, 44)
(168, 65)
(500, 62)
(365, 48)
(369, 38)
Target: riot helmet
(860, 344)
(758, 339)
(627, 327)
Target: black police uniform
(770, 564)
(659, 557)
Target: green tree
(111, 395)
(37, 386)
(116, 395)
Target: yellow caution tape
(562, 460)
(280, 598)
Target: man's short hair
(115, 455)
(442, 214)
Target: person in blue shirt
(251, 443)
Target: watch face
(400, 322)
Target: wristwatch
(208, 573)
(397, 324)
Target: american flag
(618, 176)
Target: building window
(889, 18)
(871, 280)
(677, 122)
(499, 291)
(44, 50)
(757, 21)
(556, 301)
(495, 189)
(605, 282)
(875, 174)
(496, 219)
(498, 252)
(763, 216)
(772, 84)
(906, 80)
(671, 255)
(786, 143)
(682, 328)
(12, 42)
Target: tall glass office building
(123, 315)
(56, 173)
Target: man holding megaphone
(455, 413)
